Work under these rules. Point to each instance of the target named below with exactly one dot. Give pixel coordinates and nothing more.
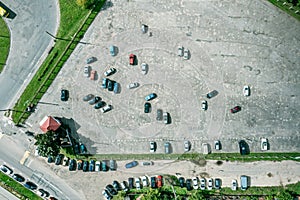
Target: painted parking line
(25, 156)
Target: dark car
(159, 114)
(147, 107)
(236, 109)
(130, 183)
(91, 60)
(181, 182)
(212, 94)
(85, 166)
(131, 164)
(18, 178)
(64, 95)
(116, 185)
(30, 185)
(189, 184)
(153, 182)
(104, 82)
(59, 159)
(112, 165)
(150, 97)
(72, 165)
(110, 85)
(104, 166)
(79, 164)
(218, 183)
(100, 104)
(43, 193)
(111, 189)
(50, 159)
(76, 149)
(243, 147)
(82, 148)
(92, 165)
(94, 100)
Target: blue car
(131, 164)
(92, 165)
(150, 96)
(104, 83)
(112, 50)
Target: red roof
(49, 124)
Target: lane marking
(25, 156)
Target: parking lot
(230, 44)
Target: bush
(85, 3)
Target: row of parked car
(26, 183)
(133, 183)
(97, 102)
(84, 165)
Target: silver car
(180, 51)
(144, 68)
(187, 145)
(133, 85)
(87, 71)
(186, 54)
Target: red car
(131, 59)
(235, 109)
(159, 181)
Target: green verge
(16, 188)
(74, 22)
(4, 43)
(288, 8)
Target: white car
(180, 51)
(246, 90)
(106, 194)
(6, 170)
(204, 105)
(87, 71)
(137, 183)
(233, 184)
(186, 54)
(264, 144)
(209, 183)
(133, 85)
(145, 181)
(152, 147)
(110, 72)
(195, 183)
(187, 145)
(97, 166)
(202, 184)
(66, 161)
(106, 108)
(144, 68)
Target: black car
(76, 149)
(104, 166)
(59, 159)
(212, 94)
(92, 165)
(147, 107)
(94, 100)
(100, 104)
(189, 184)
(18, 178)
(153, 182)
(110, 85)
(43, 193)
(116, 185)
(243, 147)
(181, 182)
(218, 183)
(30, 185)
(50, 159)
(64, 95)
(72, 165)
(85, 166)
(79, 164)
(130, 183)
(111, 189)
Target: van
(167, 147)
(206, 148)
(244, 182)
(112, 50)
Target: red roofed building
(49, 124)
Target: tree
(86, 3)
(47, 144)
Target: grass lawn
(287, 8)
(4, 43)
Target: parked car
(187, 145)
(264, 144)
(209, 183)
(91, 60)
(150, 97)
(181, 182)
(64, 95)
(18, 178)
(186, 54)
(147, 107)
(76, 149)
(218, 183)
(106, 194)
(104, 83)
(87, 71)
(111, 189)
(133, 85)
(79, 164)
(144, 28)
(246, 90)
(98, 166)
(112, 50)
(147, 163)
(189, 184)
(243, 147)
(112, 165)
(30, 185)
(92, 165)
(100, 104)
(6, 170)
(212, 94)
(65, 161)
(94, 100)
(85, 166)
(167, 146)
(202, 183)
(131, 164)
(88, 97)
(145, 181)
(106, 108)
(116, 185)
(82, 148)
(93, 74)
(131, 59)
(152, 147)
(153, 181)
(104, 166)
(130, 183)
(110, 85)
(137, 183)
(166, 117)
(110, 72)
(124, 186)
(204, 105)
(144, 67)
(43, 193)
(59, 159)
(180, 51)
(116, 87)
(72, 165)
(159, 114)
(159, 181)
(234, 184)
(235, 109)
(195, 182)
(50, 159)
(217, 145)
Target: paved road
(29, 43)
(5, 195)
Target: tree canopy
(47, 144)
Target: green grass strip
(4, 43)
(287, 7)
